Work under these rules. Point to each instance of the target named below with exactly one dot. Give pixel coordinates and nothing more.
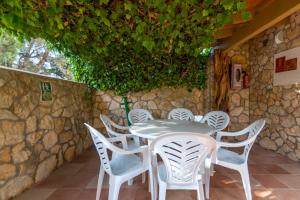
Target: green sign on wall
(46, 91)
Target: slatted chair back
(139, 115)
(107, 123)
(219, 120)
(253, 131)
(182, 155)
(102, 145)
(181, 114)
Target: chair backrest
(183, 155)
(139, 115)
(253, 130)
(107, 124)
(101, 144)
(219, 120)
(181, 114)
(198, 118)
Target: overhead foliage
(126, 44)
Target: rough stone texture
(278, 104)
(7, 171)
(45, 168)
(15, 186)
(158, 101)
(238, 102)
(30, 128)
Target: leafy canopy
(126, 44)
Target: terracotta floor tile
(229, 194)
(273, 177)
(257, 169)
(269, 181)
(142, 194)
(80, 180)
(223, 181)
(291, 181)
(181, 194)
(287, 194)
(127, 194)
(36, 194)
(87, 194)
(64, 194)
(69, 169)
(275, 169)
(255, 184)
(53, 181)
(291, 168)
(264, 194)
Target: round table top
(154, 128)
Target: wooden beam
(268, 17)
(224, 33)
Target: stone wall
(38, 136)
(158, 101)
(278, 104)
(238, 104)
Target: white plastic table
(154, 128)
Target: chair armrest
(121, 139)
(236, 144)
(119, 126)
(141, 149)
(135, 138)
(221, 134)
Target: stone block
(268, 144)
(7, 115)
(20, 153)
(50, 139)
(45, 168)
(7, 171)
(15, 186)
(5, 155)
(13, 131)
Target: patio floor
(272, 177)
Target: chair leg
(246, 182)
(200, 192)
(114, 189)
(130, 182)
(207, 182)
(100, 181)
(212, 169)
(144, 177)
(162, 191)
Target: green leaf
(106, 21)
(241, 5)
(246, 15)
(103, 1)
(227, 4)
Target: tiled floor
(272, 177)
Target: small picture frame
(46, 91)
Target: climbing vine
(126, 44)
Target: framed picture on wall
(236, 76)
(286, 67)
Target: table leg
(152, 178)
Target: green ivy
(126, 44)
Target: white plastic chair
(123, 166)
(139, 115)
(219, 120)
(235, 161)
(111, 128)
(185, 157)
(181, 114)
